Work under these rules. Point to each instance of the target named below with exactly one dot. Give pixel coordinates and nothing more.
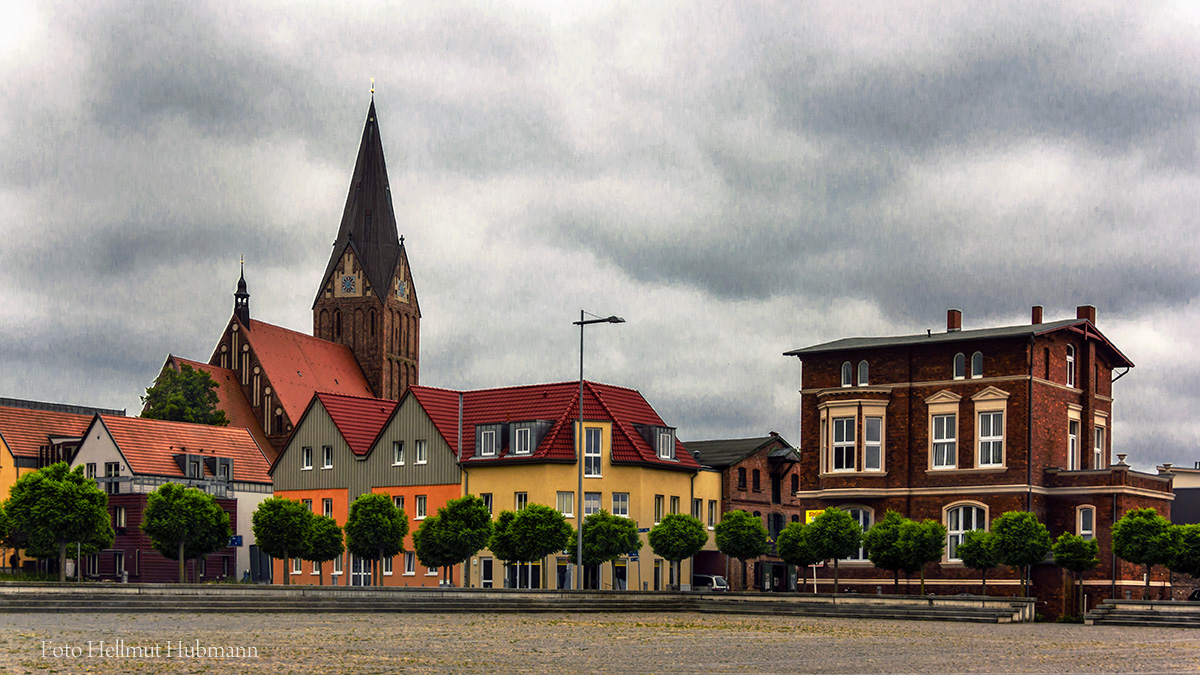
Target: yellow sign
(810, 516)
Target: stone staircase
(1145, 613)
(221, 598)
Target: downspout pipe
(1029, 434)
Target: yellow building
(518, 448)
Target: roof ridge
(151, 420)
(355, 396)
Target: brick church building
(962, 426)
(366, 321)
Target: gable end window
(398, 453)
(591, 452)
(422, 452)
(305, 458)
(327, 457)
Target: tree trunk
(287, 568)
(835, 576)
(380, 564)
(62, 561)
(1146, 592)
(182, 568)
(985, 582)
(320, 573)
(896, 581)
(922, 580)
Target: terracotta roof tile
(232, 399)
(25, 430)
(557, 403)
(358, 419)
(149, 445)
(300, 365)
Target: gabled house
(759, 475)
(130, 457)
(347, 446)
(962, 426)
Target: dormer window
(666, 446)
(223, 471)
(847, 374)
(521, 444)
(960, 366)
(487, 444)
(862, 373)
(193, 468)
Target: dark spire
(368, 222)
(241, 300)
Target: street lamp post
(580, 440)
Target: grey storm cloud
(738, 179)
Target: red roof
(232, 399)
(358, 419)
(557, 403)
(149, 446)
(25, 430)
(299, 365)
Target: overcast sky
(735, 179)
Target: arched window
(961, 519)
(337, 324)
(741, 478)
(863, 517)
(1070, 365)
(862, 374)
(795, 518)
(372, 323)
(977, 364)
(1085, 521)
(847, 374)
(757, 476)
(960, 366)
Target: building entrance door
(485, 572)
(360, 572)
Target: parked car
(1195, 596)
(707, 583)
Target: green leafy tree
(503, 544)
(530, 534)
(1185, 550)
(607, 537)
(792, 546)
(976, 553)
(459, 530)
(882, 543)
(184, 524)
(742, 536)
(282, 529)
(834, 534)
(53, 507)
(1078, 555)
(325, 543)
(375, 529)
(1020, 540)
(1143, 537)
(678, 536)
(184, 395)
(922, 543)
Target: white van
(708, 583)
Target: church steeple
(366, 299)
(241, 300)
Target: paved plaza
(551, 643)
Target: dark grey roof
(59, 407)
(727, 452)
(368, 222)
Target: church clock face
(348, 283)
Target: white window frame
(991, 400)
(976, 365)
(712, 514)
(520, 500)
(1080, 529)
(1100, 445)
(487, 501)
(872, 446)
(119, 563)
(397, 453)
(864, 373)
(327, 507)
(592, 452)
(119, 517)
(865, 517)
(306, 459)
(410, 564)
(522, 442)
(592, 502)
(565, 501)
(674, 508)
(960, 366)
(952, 517)
(398, 501)
(943, 434)
(422, 452)
(337, 566)
(660, 504)
(1070, 365)
(844, 444)
(620, 504)
(1074, 429)
(666, 445)
(697, 508)
(991, 438)
(387, 567)
(487, 443)
(297, 566)
(847, 374)
(431, 571)
(326, 456)
(422, 504)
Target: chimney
(953, 320)
(1037, 314)
(1086, 312)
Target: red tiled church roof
(358, 419)
(232, 400)
(557, 403)
(300, 365)
(149, 445)
(24, 430)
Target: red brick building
(759, 476)
(963, 426)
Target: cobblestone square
(592, 643)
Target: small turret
(241, 301)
